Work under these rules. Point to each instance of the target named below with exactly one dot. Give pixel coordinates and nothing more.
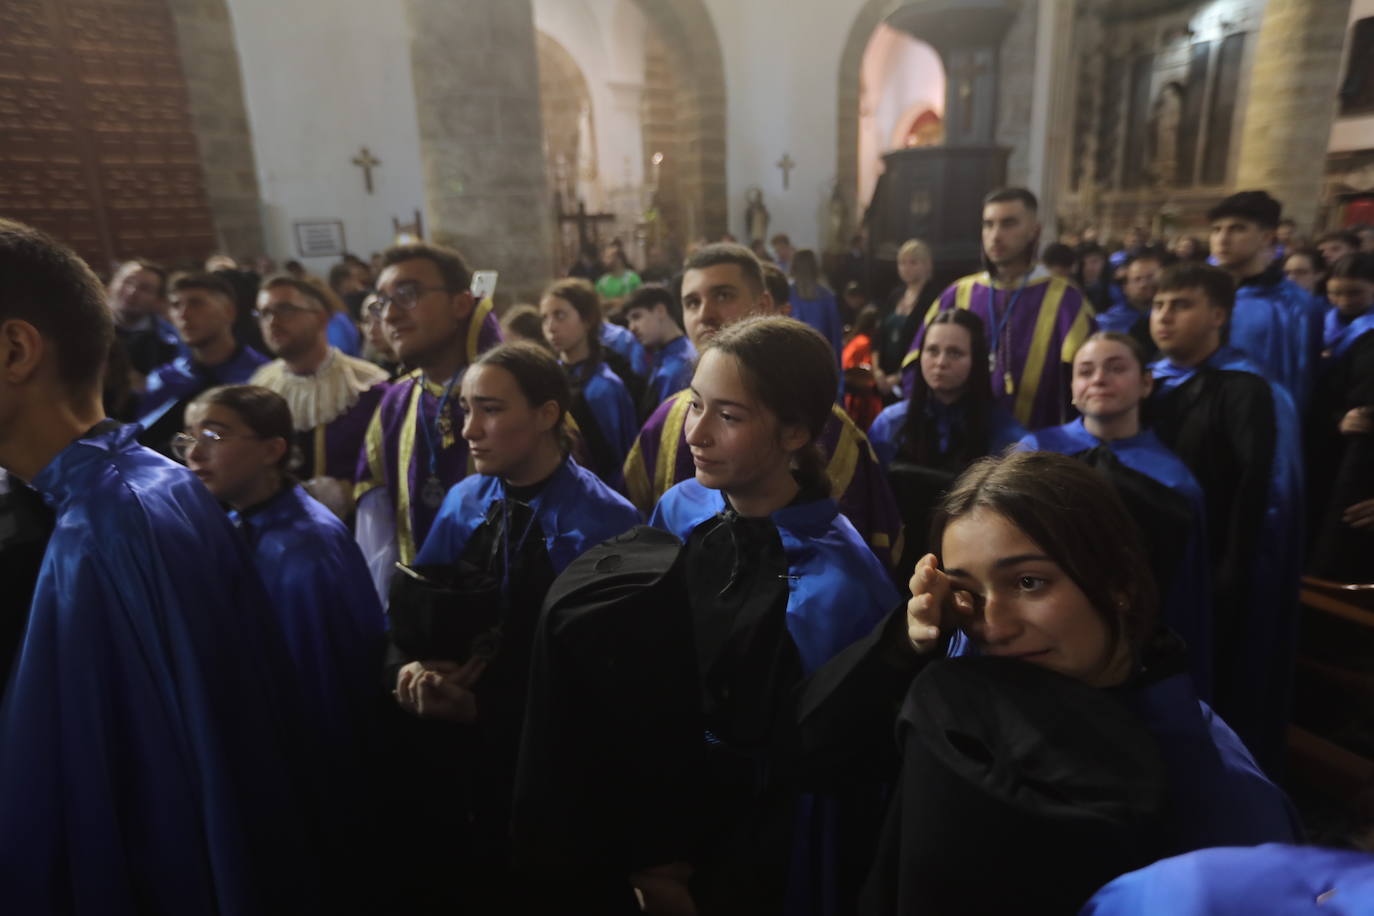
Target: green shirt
(611, 286)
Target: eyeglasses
(284, 309)
(185, 443)
(407, 297)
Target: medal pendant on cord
(1008, 383)
(432, 493)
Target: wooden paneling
(96, 144)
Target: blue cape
(1338, 335)
(839, 590)
(622, 341)
(887, 429)
(611, 405)
(1121, 317)
(318, 583)
(1187, 607)
(575, 511)
(1278, 325)
(1277, 569)
(183, 378)
(672, 367)
(150, 729)
(343, 334)
(1273, 878)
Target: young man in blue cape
(1275, 322)
(152, 758)
(656, 322)
(135, 296)
(1238, 433)
(203, 311)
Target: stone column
(214, 92)
(476, 78)
(1052, 116)
(1292, 100)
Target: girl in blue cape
(238, 442)
(779, 582)
(1038, 562)
(602, 404)
(501, 537)
(1110, 382)
(1340, 433)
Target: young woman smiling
(779, 582)
(1110, 383)
(1038, 562)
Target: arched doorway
(903, 81)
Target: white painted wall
(1348, 134)
(782, 63)
(901, 78)
(318, 87)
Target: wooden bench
(1331, 738)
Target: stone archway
(690, 43)
(870, 16)
(1012, 120)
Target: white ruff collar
(322, 397)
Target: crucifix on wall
(367, 162)
(786, 164)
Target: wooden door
(96, 145)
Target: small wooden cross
(366, 161)
(786, 164)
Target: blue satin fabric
(319, 585)
(611, 405)
(1187, 608)
(886, 431)
(671, 369)
(1338, 335)
(1273, 878)
(839, 590)
(1278, 325)
(184, 378)
(622, 341)
(1277, 570)
(150, 731)
(575, 509)
(1121, 317)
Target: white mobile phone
(483, 283)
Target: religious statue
(755, 216)
(1168, 112)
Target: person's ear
(464, 304)
(794, 436)
(1148, 383)
(276, 447)
(22, 350)
(546, 416)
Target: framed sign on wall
(320, 238)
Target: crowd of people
(722, 594)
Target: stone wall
(1016, 74)
(214, 85)
(474, 64)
